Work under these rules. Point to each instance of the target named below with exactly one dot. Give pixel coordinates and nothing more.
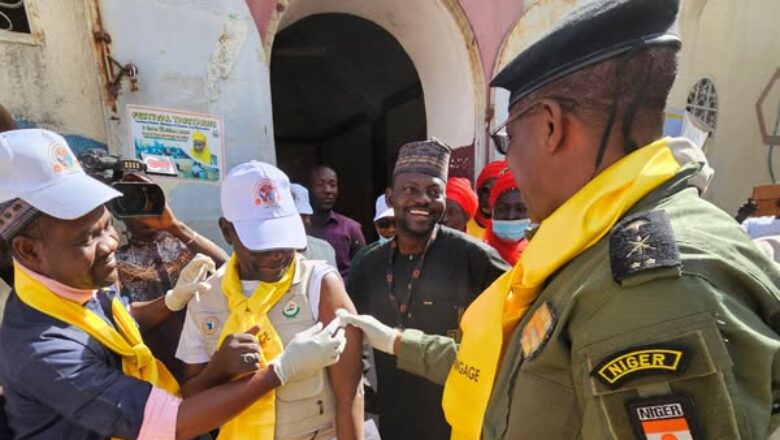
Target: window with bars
(13, 16)
(703, 103)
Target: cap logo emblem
(266, 193)
(62, 160)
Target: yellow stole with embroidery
(259, 420)
(577, 225)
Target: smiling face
(418, 200)
(78, 253)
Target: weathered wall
(209, 57)
(491, 21)
(192, 55)
(54, 83)
(197, 56)
(737, 44)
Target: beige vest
(305, 408)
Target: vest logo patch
(537, 331)
(291, 310)
(640, 361)
(668, 417)
(209, 325)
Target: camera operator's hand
(310, 350)
(191, 281)
(163, 222)
(239, 354)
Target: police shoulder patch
(635, 362)
(642, 242)
(669, 417)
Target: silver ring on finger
(250, 358)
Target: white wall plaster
(224, 55)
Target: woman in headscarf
(462, 204)
(506, 232)
(487, 178)
(200, 148)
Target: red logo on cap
(62, 159)
(266, 193)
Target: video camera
(139, 199)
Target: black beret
(595, 32)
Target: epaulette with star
(641, 244)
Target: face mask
(383, 240)
(511, 230)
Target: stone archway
(437, 37)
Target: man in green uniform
(638, 310)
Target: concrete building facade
(347, 82)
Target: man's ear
(227, 230)
(389, 196)
(27, 251)
(554, 119)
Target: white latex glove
(191, 282)
(377, 334)
(309, 351)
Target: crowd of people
(581, 288)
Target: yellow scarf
(258, 421)
(125, 340)
(475, 230)
(574, 227)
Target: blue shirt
(60, 383)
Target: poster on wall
(187, 145)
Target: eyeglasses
(499, 135)
(384, 223)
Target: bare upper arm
(333, 296)
(345, 374)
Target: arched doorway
(345, 94)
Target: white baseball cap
(256, 198)
(382, 209)
(301, 197)
(38, 167)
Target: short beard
(406, 230)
